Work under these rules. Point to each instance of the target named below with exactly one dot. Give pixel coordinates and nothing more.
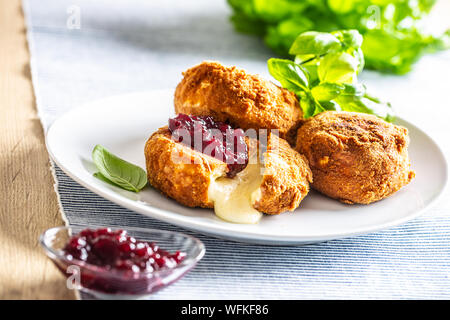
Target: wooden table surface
(28, 200)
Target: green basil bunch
(324, 74)
(393, 35)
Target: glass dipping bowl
(118, 284)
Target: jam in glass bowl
(110, 263)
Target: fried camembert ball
(355, 157)
(231, 95)
(275, 185)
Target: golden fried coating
(245, 101)
(180, 172)
(355, 157)
(285, 180)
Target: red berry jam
(114, 249)
(213, 138)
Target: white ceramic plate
(123, 124)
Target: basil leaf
(330, 105)
(349, 38)
(327, 91)
(338, 67)
(308, 105)
(358, 54)
(118, 171)
(311, 69)
(366, 104)
(356, 89)
(311, 107)
(314, 44)
(292, 76)
(99, 176)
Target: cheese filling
(234, 198)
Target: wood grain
(28, 200)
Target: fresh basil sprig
(342, 47)
(117, 171)
(324, 74)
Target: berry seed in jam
(115, 249)
(216, 139)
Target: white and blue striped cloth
(84, 50)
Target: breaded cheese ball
(246, 101)
(283, 184)
(180, 172)
(286, 178)
(355, 157)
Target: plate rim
(216, 231)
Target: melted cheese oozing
(233, 198)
